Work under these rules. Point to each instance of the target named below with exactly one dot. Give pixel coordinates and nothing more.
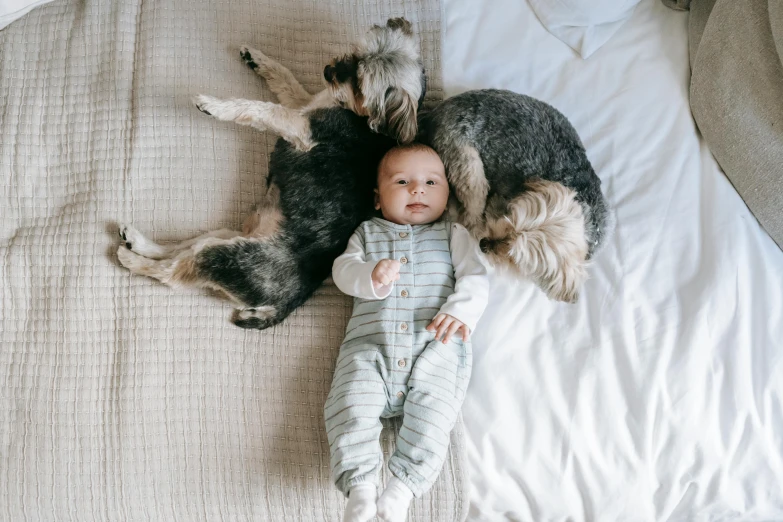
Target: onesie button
(400, 395)
(404, 293)
(404, 326)
(403, 260)
(401, 363)
(403, 234)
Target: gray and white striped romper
(390, 365)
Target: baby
(418, 282)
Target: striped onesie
(389, 364)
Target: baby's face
(412, 188)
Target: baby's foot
(361, 503)
(394, 502)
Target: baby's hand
(385, 273)
(449, 325)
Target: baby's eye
(402, 182)
(430, 182)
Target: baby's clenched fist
(385, 273)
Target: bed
(657, 397)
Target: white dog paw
(252, 57)
(139, 244)
(205, 104)
(126, 257)
(131, 236)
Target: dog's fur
(321, 179)
(524, 183)
(383, 79)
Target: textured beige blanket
(121, 399)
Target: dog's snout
(329, 71)
(485, 244)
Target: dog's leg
(280, 80)
(180, 268)
(466, 174)
(287, 123)
(178, 271)
(140, 244)
(265, 220)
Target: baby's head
(412, 186)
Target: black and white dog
(321, 178)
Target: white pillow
(10, 10)
(583, 25)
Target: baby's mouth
(417, 206)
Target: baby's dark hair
(409, 147)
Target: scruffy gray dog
(525, 186)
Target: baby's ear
(377, 200)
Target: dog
(320, 184)
(524, 185)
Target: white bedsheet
(659, 396)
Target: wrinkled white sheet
(659, 396)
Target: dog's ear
(395, 116)
(400, 23)
(401, 112)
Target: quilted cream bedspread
(121, 399)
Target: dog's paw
(139, 244)
(247, 54)
(134, 262)
(131, 236)
(259, 318)
(256, 60)
(123, 233)
(203, 103)
(126, 257)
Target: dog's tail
(543, 234)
